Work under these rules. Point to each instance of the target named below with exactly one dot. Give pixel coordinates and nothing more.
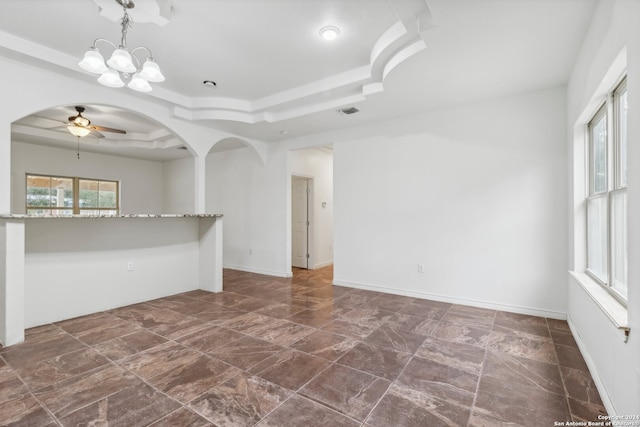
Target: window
(63, 196)
(607, 198)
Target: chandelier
(120, 67)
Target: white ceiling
(278, 79)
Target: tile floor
(296, 352)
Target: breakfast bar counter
(55, 268)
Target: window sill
(610, 306)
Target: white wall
(614, 364)
(11, 281)
(317, 163)
(475, 194)
(252, 196)
(178, 175)
(75, 267)
(141, 181)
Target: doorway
(301, 189)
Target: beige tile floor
(296, 352)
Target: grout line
(30, 392)
(147, 381)
(484, 361)
(564, 385)
(387, 390)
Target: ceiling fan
(80, 126)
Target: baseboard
(259, 271)
(323, 264)
(604, 396)
(462, 301)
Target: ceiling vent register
(347, 111)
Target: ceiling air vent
(347, 111)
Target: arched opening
(235, 173)
(121, 146)
(103, 263)
(114, 131)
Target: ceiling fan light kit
(80, 126)
(78, 131)
(123, 65)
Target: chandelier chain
(126, 23)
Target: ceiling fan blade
(40, 121)
(106, 129)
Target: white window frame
(614, 184)
(75, 208)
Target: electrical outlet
(129, 266)
(250, 251)
(420, 268)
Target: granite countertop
(27, 216)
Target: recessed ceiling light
(210, 83)
(329, 32)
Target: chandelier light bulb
(93, 62)
(111, 78)
(121, 61)
(151, 72)
(139, 84)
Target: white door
(300, 190)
